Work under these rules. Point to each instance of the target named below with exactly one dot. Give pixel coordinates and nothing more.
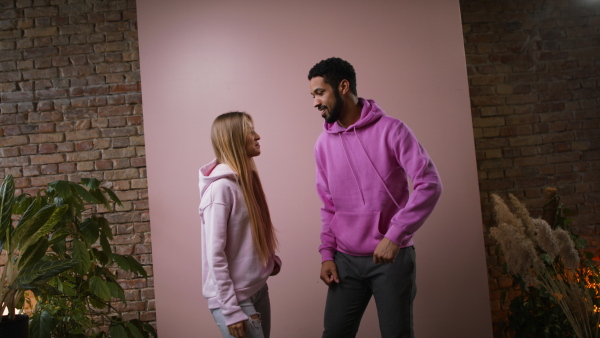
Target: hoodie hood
(212, 172)
(369, 114)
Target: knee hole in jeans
(255, 319)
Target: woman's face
(252, 145)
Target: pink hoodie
(362, 180)
(231, 269)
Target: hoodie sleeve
(216, 217)
(427, 186)
(328, 243)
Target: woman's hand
(238, 329)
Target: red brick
(114, 111)
(46, 138)
(113, 68)
(85, 166)
(49, 169)
(125, 88)
(13, 140)
(82, 134)
(47, 148)
(40, 32)
(76, 49)
(83, 156)
(43, 181)
(120, 142)
(47, 159)
(30, 149)
(525, 140)
(138, 162)
(19, 96)
(84, 145)
(67, 168)
(121, 174)
(530, 161)
(118, 153)
(37, 12)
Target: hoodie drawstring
(351, 168)
(374, 168)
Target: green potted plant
(24, 241)
(78, 301)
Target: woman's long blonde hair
(228, 136)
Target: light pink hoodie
(231, 269)
(362, 175)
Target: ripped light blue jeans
(259, 304)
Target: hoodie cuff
(396, 235)
(327, 255)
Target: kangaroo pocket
(356, 232)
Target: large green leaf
(101, 198)
(134, 331)
(136, 266)
(58, 235)
(99, 288)
(116, 291)
(96, 302)
(90, 183)
(121, 261)
(145, 328)
(26, 230)
(105, 245)
(47, 227)
(100, 256)
(41, 326)
(7, 199)
(59, 247)
(62, 188)
(105, 227)
(34, 253)
(83, 193)
(90, 229)
(22, 202)
(118, 331)
(31, 210)
(81, 254)
(112, 195)
(42, 271)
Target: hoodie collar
(212, 172)
(369, 114)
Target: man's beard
(336, 110)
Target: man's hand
(238, 329)
(329, 273)
(385, 252)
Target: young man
(368, 216)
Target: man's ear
(344, 87)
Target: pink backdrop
(203, 58)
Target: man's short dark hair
(333, 71)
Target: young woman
(238, 239)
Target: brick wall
(70, 107)
(534, 76)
